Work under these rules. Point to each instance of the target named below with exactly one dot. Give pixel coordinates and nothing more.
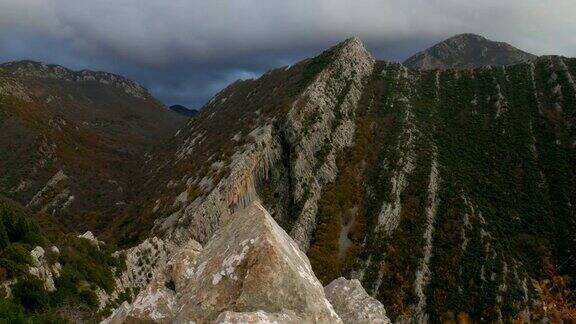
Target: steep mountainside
(448, 194)
(466, 51)
(73, 142)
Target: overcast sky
(184, 51)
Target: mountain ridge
(464, 51)
(183, 110)
(349, 142)
(29, 68)
(444, 194)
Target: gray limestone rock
(353, 304)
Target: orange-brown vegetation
(556, 297)
(339, 200)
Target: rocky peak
(467, 37)
(32, 69)
(353, 43)
(249, 271)
(465, 51)
(320, 113)
(351, 48)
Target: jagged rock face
(250, 270)
(353, 304)
(288, 117)
(73, 142)
(43, 269)
(330, 102)
(468, 51)
(157, 302)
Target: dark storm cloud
(185, 51)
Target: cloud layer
(184, 51)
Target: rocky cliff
(250, 271)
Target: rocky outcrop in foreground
(250, 271)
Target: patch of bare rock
(250, 271)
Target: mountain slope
(47, 276)
(74, 141)
(467, 51)
(447, 193)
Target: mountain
(466, 51)
(442, 195)
(72, 142)
(184, 110)
(446, 193)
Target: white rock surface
(157, 302)
(342, 78)
(42, 269)
(260, 317)
(90, 237)
(353, 304)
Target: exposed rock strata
(199, 218)
(343, 78)
(426, 126)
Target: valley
(444, 191)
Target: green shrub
(84, 267)
(30, 293)
(85, 262)
(17, 227)
(17, 253)
(89, 298)
(11, 312)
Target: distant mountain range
(183, 110)
(73, 141)
(466, 51)
(444, 187)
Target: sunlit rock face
(157, 301)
